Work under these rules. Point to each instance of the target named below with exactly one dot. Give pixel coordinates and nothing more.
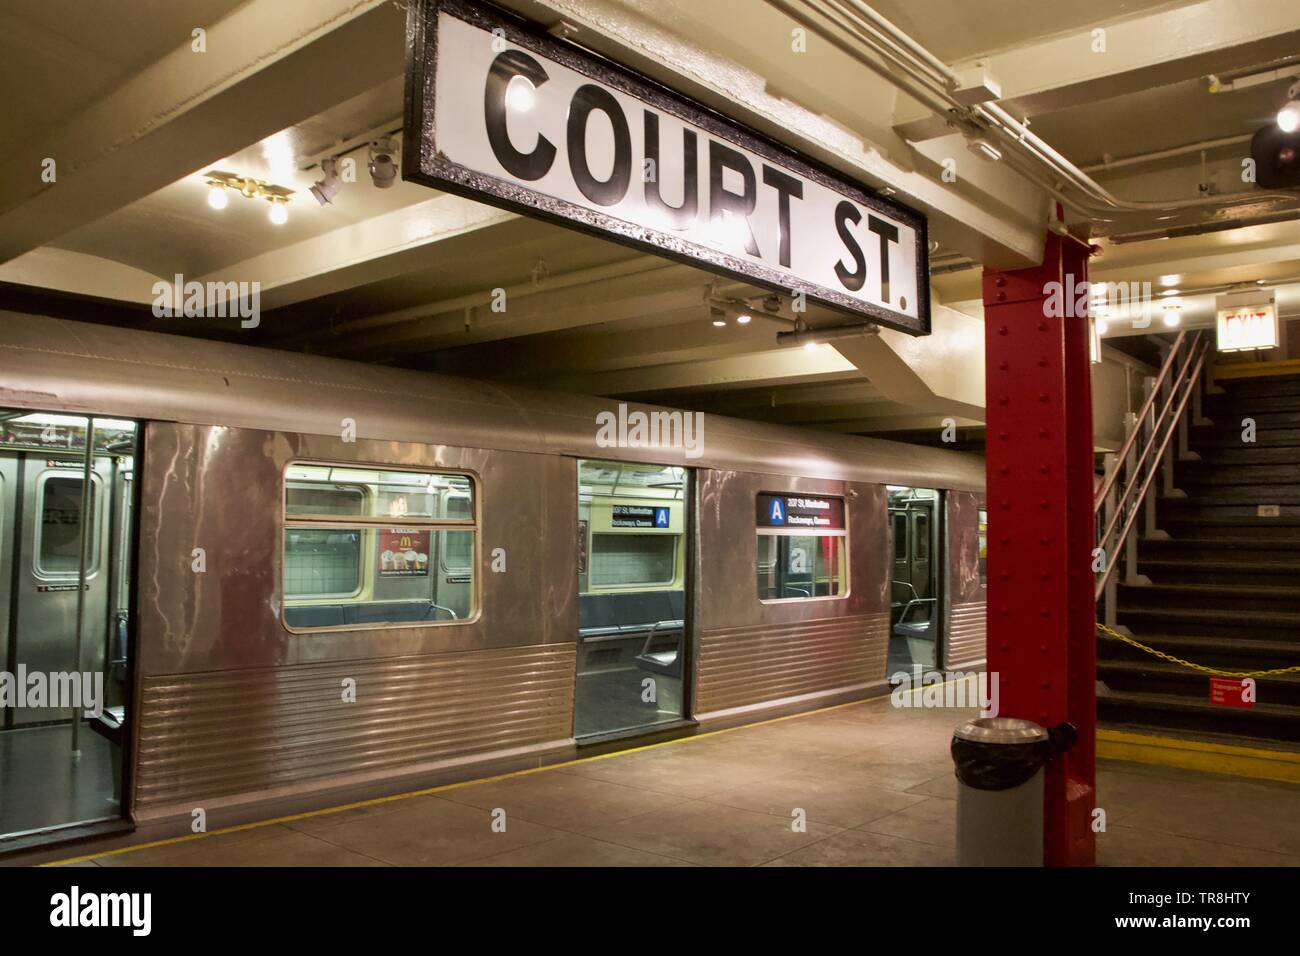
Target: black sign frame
(423, 163)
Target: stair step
(1194, 546)
(1212, 474)
(1241, 518)
(1250, 405)
(1244, 453)
(1242, 599)
(1265, 532)
(1159, 677)
(1225, 624)
(1263, 721)
(1228, 435)
(1264, 385)
(1228, 653)
(1173, 570)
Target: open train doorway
(914, 517)
(66, 545)
(632, 574)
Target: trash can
(999, 765)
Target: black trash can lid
(1001, 730)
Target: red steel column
(1039, 460)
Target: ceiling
(408, 276)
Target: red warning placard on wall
(1232, 691)
(403, 553)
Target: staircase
(1224, 586)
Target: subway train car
(305, 580)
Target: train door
(914, 518)
(66, 531)
(632, 574)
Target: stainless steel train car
(337, 579)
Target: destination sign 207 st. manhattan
(504, 113)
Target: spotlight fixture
(744, 318)
(327, 188)
(220, 183)
(383, 168)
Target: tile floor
(875, 785)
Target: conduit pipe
(853, 25)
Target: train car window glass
(801, 555)
(58, 547)
(320, 562)
(922, 543)
(900, 537)
(366, 547)
(984, 547)
(800, 567)
(623, 560)
(457, 547)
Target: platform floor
(876, 784)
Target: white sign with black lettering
(505, 114)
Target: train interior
(364, 547)
(632, 521)
(914, 521)
(65, 610)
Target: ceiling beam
(1165, 46)
(269, 64)
(781, 366)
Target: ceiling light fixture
(327, 188)
(383, 169)
(220, 183)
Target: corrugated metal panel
(220, 733)
(739, 666)
(967, 630)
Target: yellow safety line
(375, 801)
(1197, 667)
(1279, 765)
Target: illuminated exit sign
(1247, 321)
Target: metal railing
(1127, 493)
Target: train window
(801, 547)
(376, 547)
(58, 547)
(458, 546)
(922, 543)
(793, 567)
(623, 560)
(900, 536)
(984, 547)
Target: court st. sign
(503, 113)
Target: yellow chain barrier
(1109, 632)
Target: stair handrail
(1143, 469)
(1100, 496)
